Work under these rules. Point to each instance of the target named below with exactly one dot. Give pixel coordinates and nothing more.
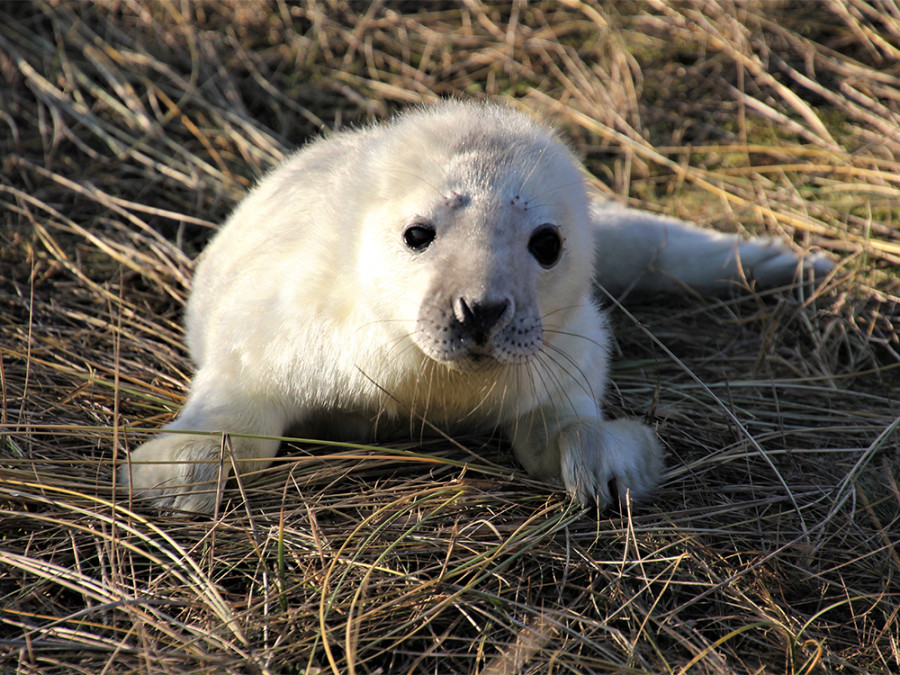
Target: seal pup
(439, 267)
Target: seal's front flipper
(596, 460)
(182, 469)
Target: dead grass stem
(130, 129)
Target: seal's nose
(479, 320)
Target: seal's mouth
(479, 351)
(447, 344)
(466, 360)
(481, 360)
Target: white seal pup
(437, 268)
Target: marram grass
(129, 130)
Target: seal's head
(483, 232)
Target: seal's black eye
(419, 236)
(545, 245)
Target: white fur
(310, 311)
(646, 253)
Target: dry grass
(128, 131)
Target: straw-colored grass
(129, 129)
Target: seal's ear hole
(545, 245)
(419, 236)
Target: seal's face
(484, 305)
(493, 251)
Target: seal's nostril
(480, 318)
